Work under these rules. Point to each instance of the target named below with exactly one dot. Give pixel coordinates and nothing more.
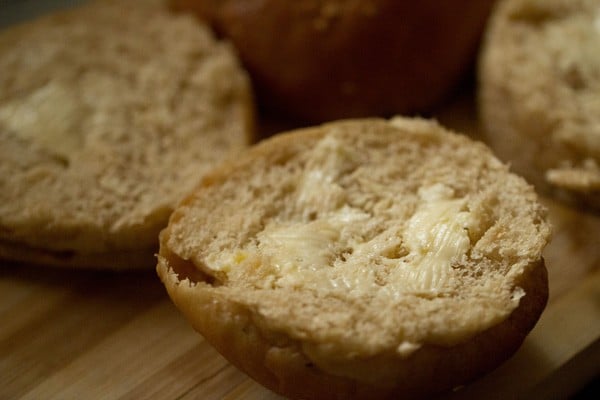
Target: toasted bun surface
(360, 259)
(109, 113)
(540, 93)
(326, 59)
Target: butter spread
(48, 116)
(436, 235)
(295, 249)
(330, 252)
(318, 189)
(334, 253)
(348, 253)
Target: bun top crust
(320, 60)
(361, 237)
(540, 92)
(109, 113)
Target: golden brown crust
(322, 60)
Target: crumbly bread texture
(109, 114)
(540, 93)
(320, 60)
(360, 259)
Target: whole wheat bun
(319, 60)
(539, 94)
(360, 259)
(109, 113)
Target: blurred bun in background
(319, 60)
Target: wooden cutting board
(81, 334)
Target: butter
(318, 189)
(436, 236)
(309, 253)
(302, 254)
(49, 116)
(305, 254)
(296, 249)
